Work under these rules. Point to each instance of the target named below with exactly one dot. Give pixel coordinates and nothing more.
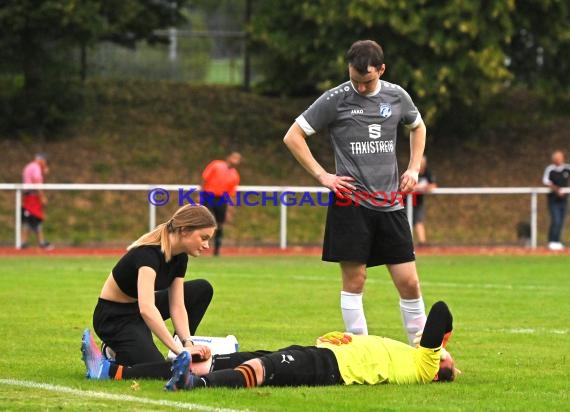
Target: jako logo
(357, 111)
(375, 131)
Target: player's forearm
(417, 146)
(296, 142)
(153, 320)
(179, 318)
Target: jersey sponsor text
(370, 147)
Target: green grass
(511, 331)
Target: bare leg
(406, 280)
(420, 232)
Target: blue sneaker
(182, 376)
(97, 366)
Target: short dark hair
(364, 53)
(445, 374)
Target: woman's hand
(199, 352)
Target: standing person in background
(33, 201)
(556, 176)
(426, 183)
(362, 116)
(220, 180)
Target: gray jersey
(363, 132)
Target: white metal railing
(20, 187)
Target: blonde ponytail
(189, 217)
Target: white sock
(353, 313)
(413, 316)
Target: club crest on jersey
(385, 110)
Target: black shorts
(301, 366)
(419, 213)
(33, 222)
(218, 206)
(121, 326)
(359, 234)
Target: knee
(353, 274)
(410, 288)
(257, 366)
(200, 289)
(354, 283)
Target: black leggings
(121, 326)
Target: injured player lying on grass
(336, 359)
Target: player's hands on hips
(199, 352)
(338, 184)
(408, 181)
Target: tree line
(451, 55)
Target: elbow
(146, 311)
(293, 136)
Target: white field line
(110, 396)
(451, 285)
(531, 331)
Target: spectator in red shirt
(219, 183)
(33, 201)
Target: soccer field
(511, 337)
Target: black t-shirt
(126, 271)
(425, 177)
(560, 176)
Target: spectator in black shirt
(426, 183)
(556, 176)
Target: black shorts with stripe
(359, 234)
(291, 366)
(301, 366)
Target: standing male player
(362, 116)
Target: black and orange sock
(249, 374)
(241, 377)
(119, 373)
(116, 371)
(153, 370)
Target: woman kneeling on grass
(145, 288)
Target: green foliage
(540, 47)
(510, 340)
(450, 55)
(36, 44)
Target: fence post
(533, 219)
(151, 216)
(18, 222)
(410, 212)
(282, 226)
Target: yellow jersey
(368, 359)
